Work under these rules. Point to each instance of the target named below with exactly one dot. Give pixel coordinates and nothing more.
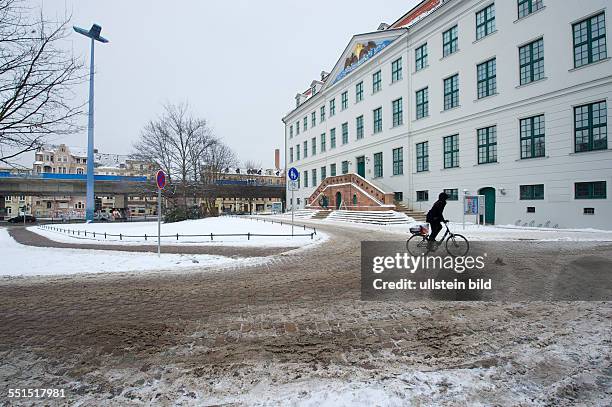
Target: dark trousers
(436, 227)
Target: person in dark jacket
(435, 217)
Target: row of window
(590, 134)
(396, 75)
(377, 126)
(582, 190)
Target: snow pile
(20, 260)
(135, 232)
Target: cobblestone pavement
(244, 335)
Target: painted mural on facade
(361, 53)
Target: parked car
(19, 219)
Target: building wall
(563, 88)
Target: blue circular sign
(293, 174)
(160, 177)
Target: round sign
(160, 177)
(293, 174)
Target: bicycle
(418, 244)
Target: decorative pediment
(360, 50)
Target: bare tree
(179, 143)
(216, 159)
(36, 80)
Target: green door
(361, 166)
(489, 194)
(338, 199)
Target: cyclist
(435, 217)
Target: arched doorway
(489, 194)
(338, 199)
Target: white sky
(239, 63)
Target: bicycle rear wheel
(417, 245)
(457, 245)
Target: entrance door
(338, 199)
(361, 166)
(489, 194)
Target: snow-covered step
(370, 217)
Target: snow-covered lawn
(20, 260)
(135, 232)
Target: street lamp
(94, 34)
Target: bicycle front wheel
(457, 245)
(417, 245)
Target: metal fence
(178, 236)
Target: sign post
(474, 205)
(294, 175)
(160, 179)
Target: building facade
(506, 99)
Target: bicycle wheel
(457, 245)
(416, 245)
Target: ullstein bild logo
(486, 273)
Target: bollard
(85, 233)
(94, 234)
(145, 236)
(177, 236)
(105, 235)
(312, 236)
(249, 236)
(78, 233)
(120, 236)
(304, 227)
(211, 236)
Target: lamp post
(94, 34)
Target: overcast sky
(239, 64)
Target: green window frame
(422, 103)
(398, 161)
(359, 127)
(486, 76)
(378, 165)
(377, 119)
(485, 21)
(590, 40)
(422, 196)
(526, 7)
(532, 137)
(451, 151)
(531, 61)
(487, 145)
(344, 100)
(313, 173)
(590, 190)
(297, 152)
(323, 142)
(305, 123)
(398, 112)
(450, 41)
(290, 154)
(344, 167)
(591, 127)
(313, 119)
(396, 70)
(323, 173)
(332, 138)
(291, 131)
(332, 107)
(451, 92)
(313, 146)
(306, 179)
(359, 92)
(305, 148)
(376, 81)
(453, 194)
(332, 170)
(422, 156)
(345, 133)
(531, 192)
(420, 57)
(297, 127)
(322, 113)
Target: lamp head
(93, 33)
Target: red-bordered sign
(160, 178)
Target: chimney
(276, 158)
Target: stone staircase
(414, 214)
(321, 215)
(369, 217)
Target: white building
(503, 98)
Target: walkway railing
(99, 235)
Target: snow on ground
(20, 260)
(484, 233)
(217, 225)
